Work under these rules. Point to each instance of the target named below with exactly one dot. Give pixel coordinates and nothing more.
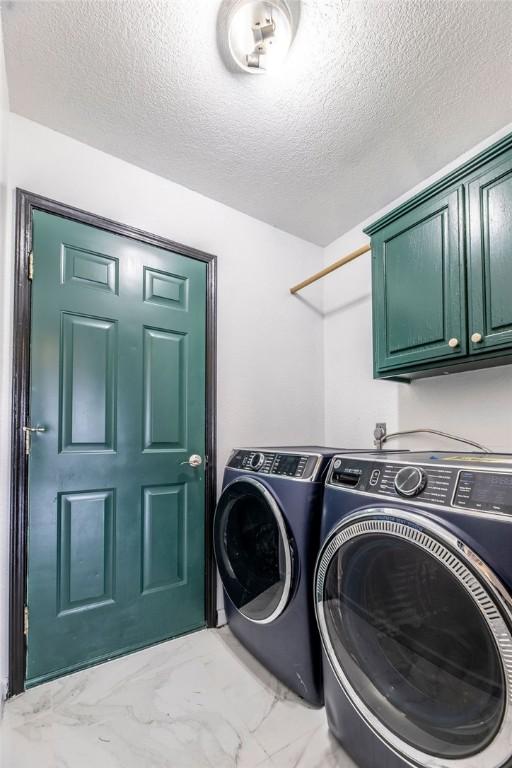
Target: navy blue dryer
(413, 589)
(266, 539)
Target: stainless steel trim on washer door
(488, 594)
(222, 556)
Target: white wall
(5, 376)
(474, 404)
(352, 399)
(270, 351)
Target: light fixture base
(255, 35)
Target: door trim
(26, 204)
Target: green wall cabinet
(490, 259)
(442, 273)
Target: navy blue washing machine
(413, 588)
(266, 539)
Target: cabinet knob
(476, 338)
(453, 343)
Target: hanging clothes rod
(337, 264)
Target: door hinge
(25, 621)
(29, 431)
(27, 441)
(31, 265)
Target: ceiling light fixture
(260, 33)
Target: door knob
(453, 343)
(476, 337)
(193, 461)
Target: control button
(337, 464)
(410, 481)
(374, 479)
(256, 461)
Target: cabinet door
(490, 258)
(418, 285)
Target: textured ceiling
(373, 98)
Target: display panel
(486, 491)
(497, 488)
(287, 465)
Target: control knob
(256, 461)
(409, 481)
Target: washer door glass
(414, 645)
(252, 550)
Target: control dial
(256, 462)
(409, 481)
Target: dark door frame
(26, 204)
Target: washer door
(253, 552)
(417, 631)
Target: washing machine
(413, 601)
(266, 539)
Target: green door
(418, 286)
(116, 514)
(490, 258)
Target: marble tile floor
(199, 701)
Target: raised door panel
(89, 269)
(165, 406)
(164, 537)
(88, 383)
(165, 289)
(409, 274)
(490, 258)
(418, 286)
(86, 536)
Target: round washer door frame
(487, 591)
(287, 548)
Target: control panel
(434, 485)
(446, 486)
(298, 466)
